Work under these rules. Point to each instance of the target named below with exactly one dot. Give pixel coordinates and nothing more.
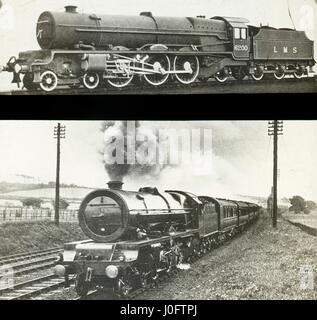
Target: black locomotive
(96, 50)
(137, 236)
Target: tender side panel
(270, 44)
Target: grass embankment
(32, 236)
(260, 263)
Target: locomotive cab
(238, 30)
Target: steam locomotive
(98, 50)
(138, 236)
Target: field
(307, 222)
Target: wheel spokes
(91, 80)
(49, 81)
(189, 64)
(161, 64)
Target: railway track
(22, 274)
(5, 260)
(231, 86)
(31, 288)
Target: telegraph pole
(59, 133)
(275, 130)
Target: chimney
(115, 185)
(71, 9)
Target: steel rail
(31, 288)
(28, 256)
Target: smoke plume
(238, 165)
(144, 164)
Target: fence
(23, 214)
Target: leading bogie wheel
(160, 64)
(91, 80)
(189, 66)
(49, 81)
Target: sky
(18, 17)
(241, 161)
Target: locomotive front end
(103, 216)
(126, 229)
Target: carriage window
(236, 33)
(243, 33)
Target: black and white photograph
(157, 157)
(158, 210)
(157, 47)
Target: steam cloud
(238, 165)
(114, 130)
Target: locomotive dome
(106, 215)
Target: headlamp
(112, 272)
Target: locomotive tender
(137, 236)
(97, 50)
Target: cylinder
(94, 62)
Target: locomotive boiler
(112, 214)
(136, 236)
(93, 50)
(65, 30)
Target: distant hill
(68, 193)
(6, 187)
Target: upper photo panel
(157, 47)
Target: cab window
(243, 33)
(237, 33)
